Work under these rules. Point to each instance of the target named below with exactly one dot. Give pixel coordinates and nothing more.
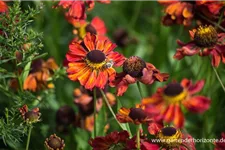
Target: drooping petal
(194, 88)
(178, 117)
(84, 77)
(216, 58)
(197, 104)
(169, 113)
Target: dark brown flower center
(137, 113)
(91, 29)
(31, 116)
(205, 36)
(134, 66)
(173, 89)
(168, 131)
(96, 56)
(54, 143)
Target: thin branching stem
(110, 108)
(139, 89)
(219, 79)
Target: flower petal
(92, 80)
(197, 104)
(89, 41)
(169, 113)
(196, 87)
(178, 117)
(102, 79)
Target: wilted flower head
(135, 115)
(54, 143)
(206, 42)
(31, 116)
(39, 75)
(91, 62)
(166, 103)
(136, 69)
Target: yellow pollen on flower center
(205, 36)
(170, 137)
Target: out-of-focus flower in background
(166, 103)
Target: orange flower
(166, 103)
(135, 115)
(136, 69)
(32, 116)
(177, 12)
(205, 42)
(183, 11)
(91, 61)
(40, 73)
(3, 7)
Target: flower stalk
(28, 138)
(95, 113)
(138, 137)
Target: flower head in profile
(220, 144)
(3, 7)
(171, 137)
(166, 103)
(136, 69)
(84, 99)
(91, 62)
(40, 74)
(135, 115)
(205, 42)
(54, 143)
(30, 116)
(114, 140)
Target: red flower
(3, 7)
(220, 145)
(166, 103)
(91, 61)
(171, 138)
(114, 140)
(135, 69)
(96, 26)
(134, 115)
(77, 9)
(206, 41)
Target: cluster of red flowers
(92, 61)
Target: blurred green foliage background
(155, 44)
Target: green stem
(95, 120)
(136, 13)
(110, 108)
(138, 137)
(221, 16)
(139, 89)
(218, 77)
(28, 138)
